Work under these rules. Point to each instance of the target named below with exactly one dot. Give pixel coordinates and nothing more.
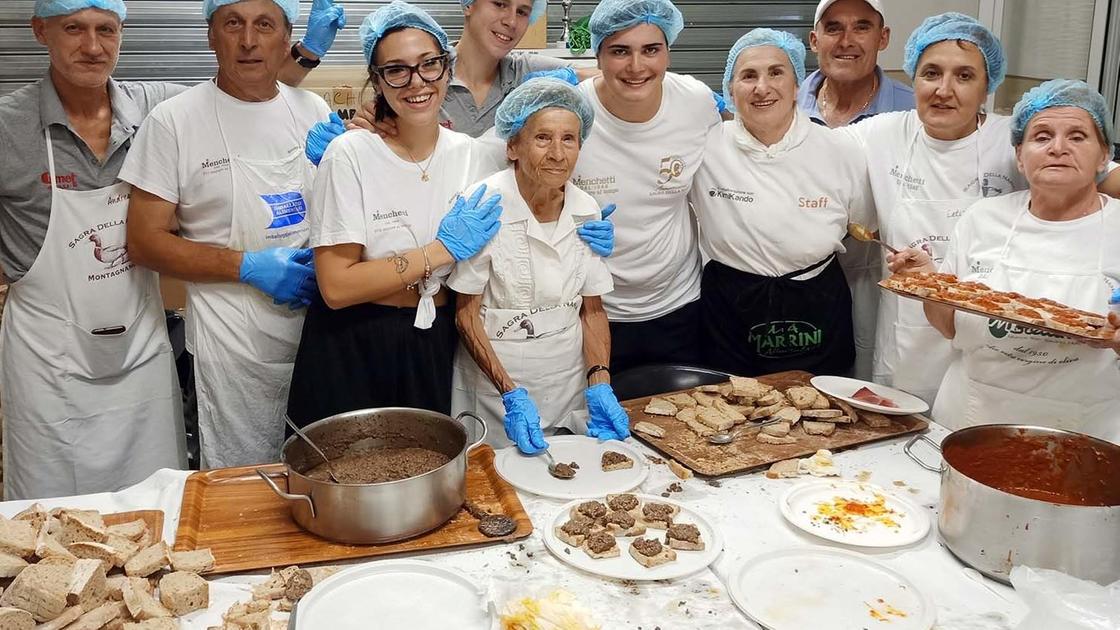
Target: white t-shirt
(647, 169)
(1077, 246)
(179, 154)
(365, 193)
(774, 210)
(526, 266)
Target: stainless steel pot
(378, 512)
(993, 530)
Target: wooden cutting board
(246, 526)
(746, 453)
(152, 518)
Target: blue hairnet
(541, 93)
(566, 74)
(612, 16)
(290, 7)
(51, 8)
(786, 42)
(953, 27)
(1060, 93)
(397, 14)
(539, 7)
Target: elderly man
(219, 178)
(90, 393)
(847, 36)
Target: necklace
(874, 88)
(423, 169)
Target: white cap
(823, 5)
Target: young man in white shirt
(647, 142)
(219, 178)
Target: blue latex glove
(608, 420)
(523, 422)
(325, 21)
(470, 225)
(286, 274)
(599, 235)
(321, 135)
(566, 74)
(721, 104)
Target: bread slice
(788, 414)
(713, 419)
(729, 411)
(765, 411)
(848, 410)
(679, 470)
(697, 427)
(47, 546)
(80, 526)
(785, 469)
(123, 549)
(298, 582)
(621, 523)
(814, 427)
(802, 396)
(197, 561)
(163, 623)
(604, 545)
(821, 414)
(17, 537)
(821, 402)
(40, 590)
(774, 397)
(182, 592)
(663, 556)
(68, 616)
(681, 400)
(35, 514)
(16, 619)
(148, 561)
(704, 399)
(10, 565)
(594, 510)
(749, 389)
(624, 502)
(140, 603)
(685, 536)
(658, 515)
(87, 586)
(648, 428)
(131, 530)
(613, 460)
(775, 439)
(99, 617)
(575, 531)
(660, 407)
(779, 429)
(875, 420)
(95, 551)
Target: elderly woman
(382, 333)
(774, 197)
(1056, 240)
(927, 167)
(530, 310)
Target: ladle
(303, 436)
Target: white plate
(395, 594)
(625, 567)
(843, 388)
(799, 506)
(530, 473)
(814, 587)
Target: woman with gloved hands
(382, 332)
(536, 341)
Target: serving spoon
(303, 436)
(861, 233)
(727, 437)
(554, 468)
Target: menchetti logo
(211, 165)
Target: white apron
(244, 344)
(1065, 385)
(912, 355)
(91, 397)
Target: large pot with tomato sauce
(1024, 495)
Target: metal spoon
(554, 468)
(728, 437)
(303, 436)
(861, 233)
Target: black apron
(369, 355)
(756, 324)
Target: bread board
(152, 518)
(746, 453)
(247, 527)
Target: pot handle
(284, 495)
(482, 423)
(909, 450)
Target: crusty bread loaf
(40, 589)
(182, 592)
(148, 561)
(87, 587)
(16, 619)
(197, 561)
(80, 526)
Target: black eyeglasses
(400, 75)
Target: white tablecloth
(745, 507)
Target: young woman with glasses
(383, 332)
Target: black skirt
(761, 324)
(370, 355)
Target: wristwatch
(310, 64)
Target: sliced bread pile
(66, 569)
(279, 593)
(711, 409)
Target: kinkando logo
(287, 209)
